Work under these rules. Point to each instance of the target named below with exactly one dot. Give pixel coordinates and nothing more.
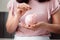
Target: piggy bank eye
(23, 1)
(43, 0)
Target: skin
(54, 27)
(15, 18)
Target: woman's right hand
(22, 8)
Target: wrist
(48, 27)
(17, 16)
(45, 25)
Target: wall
(3, 5)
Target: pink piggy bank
(30, 19)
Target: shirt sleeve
(55, 6)
(10, 6)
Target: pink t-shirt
(40, 12)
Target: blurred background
(3, 17)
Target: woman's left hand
(36, 26)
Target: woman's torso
(38, 13)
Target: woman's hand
(22, 8)
(18, 11)
(36, 26)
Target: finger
(26, 6)
(21, 5)
(29, 8)
(19, 11)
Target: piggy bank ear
(23, 1)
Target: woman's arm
(13, 20)
(55, 27)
